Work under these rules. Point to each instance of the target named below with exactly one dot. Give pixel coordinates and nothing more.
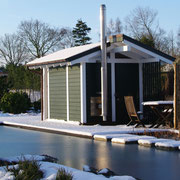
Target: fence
(177, 96)
(157, 85)
(151, 81)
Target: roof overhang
(129, 51)
(65, 56)
(139, 51)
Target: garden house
(72, 79)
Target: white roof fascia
(87, 58)
(148, 52)
(64, 54)
(34, 67)
(47, 66)
(122, 60)
(57, 64)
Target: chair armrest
(140, 112)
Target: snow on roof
(69, 54)
(65, 54)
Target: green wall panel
(57, 92)
(74, 93)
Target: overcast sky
(65, 13)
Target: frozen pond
(134, 160)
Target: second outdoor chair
(131, 110)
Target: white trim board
(45, 94)
(83, 92)
(141, 86)
(48, 93)
(86, 58)
(67, 92)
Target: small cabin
(72, 79)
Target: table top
(149, 103)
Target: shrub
(37, 105)
(62, 174)
(15, 102)
(5, 163)
(26, 169)
(4, 86)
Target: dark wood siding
(57, 92)
(151, 86)
(127, 84)
(152, 81)
(74, 93)
(93, 89)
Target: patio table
(162, 109)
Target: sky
(65, 13)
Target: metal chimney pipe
(103, 61)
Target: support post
(175, 96)
(113, 92)
(83, 93)
(45, 93)
(42, 95)
(67, 91)
(140, 86)
(48, 94)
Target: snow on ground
(129, 139)
(168, 144)
(107, 137)
(50, 170)
(28, 114)
(34, 120)
(151, 142)
(28, 157)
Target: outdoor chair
(131, 110)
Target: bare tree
(178, 44)
(68, 40)
(118, 26)
(142, 22)
(12, 49)
(172, 45)
(114, 27)
(39, 37)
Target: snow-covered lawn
(50, 170)
(34, 120)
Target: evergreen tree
(80, 33)
(145, 39)
(19, 77)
